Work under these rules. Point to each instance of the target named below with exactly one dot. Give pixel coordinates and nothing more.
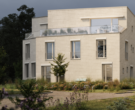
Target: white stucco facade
(88, 65)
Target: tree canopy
(13, 30)
(59, 66)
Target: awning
(102, 17)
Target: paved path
(62, 95)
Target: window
(33, 69)
(27, 51)
(104, 25)
(127, 69)
(101, 48)
(126, 50)
(132, 28)
(131, 72)
(26, 70)
(50, 53)
(107, 72)
(45, 73)
(75, 47)
(123, 70)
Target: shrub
(118, 105)
(125, 86)
(99, 86)
(76, 101)
(32, 99)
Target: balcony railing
(78, 31)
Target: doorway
(131, 72)
(107, 72)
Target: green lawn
(102, 104)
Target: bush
(125, 86)
(32, 99)
(118, 105)
(99, 86)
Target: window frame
(33, 76)
(27, 55)
(27, 75)
(126, 50)
(104, 43)
(74, 49)
(44, 75)
(53, 50)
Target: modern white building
(98, 42)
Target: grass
(103, 103)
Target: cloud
(41, 6)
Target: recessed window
(101, 48)
(26, 70)
(127, 69)
(126, 50)
(45, 73)
(75, 49)
(132, 28)
(123, 70)
(27, 51)
(33, 70)
(50, 50)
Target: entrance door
(131, 72)
(45, 73)
(107, 72)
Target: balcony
(76, 31)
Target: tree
(59, 66)
(3, 57)
(13, 30)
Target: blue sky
(41, 6)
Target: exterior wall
(72, 17)
(36, 25)
(88, 66)
(32, 59)
(130, 37)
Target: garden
(35, 96)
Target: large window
(33, 70)
(107, 72)
(45, 73)
(26, 70)
(75, 47)
(101, 48)
(27, 51)
(104, 25)
(50, 50)
(126, 50)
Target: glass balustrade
(77, 31)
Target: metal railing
(78, 31)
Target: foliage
(18, 69)
(3, 65)
(69, 30)
(76, 101)
(59, 66)
(118, 105)
(32, 99)
(14, 27)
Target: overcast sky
(41, 6)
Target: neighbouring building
(98, 42)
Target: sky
(41, 6)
